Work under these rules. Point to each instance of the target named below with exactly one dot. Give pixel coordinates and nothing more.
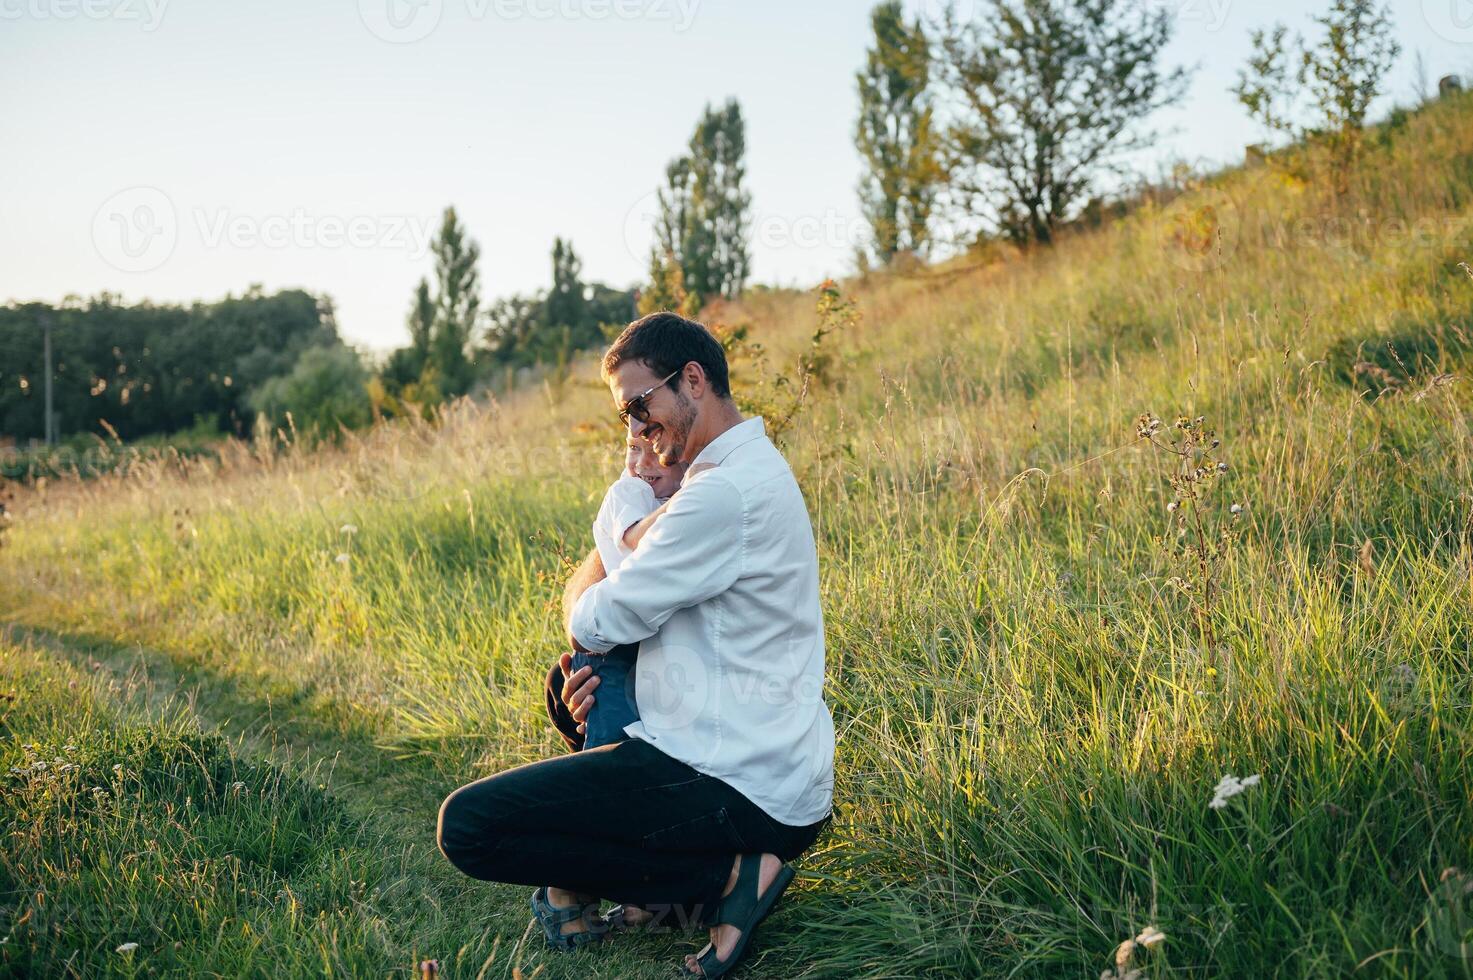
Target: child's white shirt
(628, 501)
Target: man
(728, 773)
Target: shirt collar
(723, 445)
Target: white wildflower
(348, 529)
(1230, 786)
(342, 558)
(1171, 507)
(127, 948)
(237, 787)
(1235, 509)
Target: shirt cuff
(584, 622)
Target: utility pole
(50, 415)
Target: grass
(1037, 680)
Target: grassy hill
(1050, 636)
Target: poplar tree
(705, 208)
(895, 137)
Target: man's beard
(677, 430)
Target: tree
(675, 210)
(457, 304)
(666, 289)
(705, 217)
(895, 136)
(1050, 94)
(327, 388)
(1341, 75)
(526, 330)
(405, 365)
(421, 320)
(566, 306)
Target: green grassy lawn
(1039, 668)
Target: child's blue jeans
(613, 700)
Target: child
(630, 508)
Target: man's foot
(725, 937)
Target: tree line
(1007, 125)
(147, 369)
(1010, 124)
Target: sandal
(745, 909)
(552, 919)
(620, 918)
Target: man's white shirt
(722, 596)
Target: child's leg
(613, 705)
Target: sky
(181, 150)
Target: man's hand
(578, 686)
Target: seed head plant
(1200, 531)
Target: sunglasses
(636, 408)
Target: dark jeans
(623, 821)
(614, 707)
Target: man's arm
(591, 571)
(693, 552)
(634, 532)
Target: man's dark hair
(667, 342)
